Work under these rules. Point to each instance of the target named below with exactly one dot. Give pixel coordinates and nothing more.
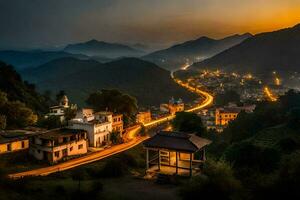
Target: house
(229, 113)
(173, 106)
(86, 114)
(59, 110)
(117, 123)
(143, 117)
(58, 144)
(98, 126)
(175, 153)
(225, 115)
(13, 141)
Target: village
(90, 135)
(89, 132)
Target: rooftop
(57, 133)
(178, 141)
(103, 113)
(10, 136)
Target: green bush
(216, 182)
(247, 155)
(188, 122)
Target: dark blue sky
(46, 23)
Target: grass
(18, 162)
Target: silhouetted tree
(59, 95)
(188, 122)
(216, 182)
(114, 101)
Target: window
(80, 146)
(65, 152)
(8, 147)
(71, 148)
(56, 154)
(23, 144)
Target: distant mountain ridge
(29, 59)
(100, 48)
(262, 53)
(150, 84)
(193, 51)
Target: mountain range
(100, 48)
(150, 84)
(260, 54)
(193, 51)
(29, 59)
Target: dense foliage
(17, 90)
(114, 101)
(263, 149)
(188, 122)
(216, 182)
(14, 114)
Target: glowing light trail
(269, 94)
(207, 101)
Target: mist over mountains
(30, 59)
(86, 67)
(193, 51)
(150, 84)
(100, 48)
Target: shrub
(113, 168)
(128, 160)
(288, 145)
(245, 154)
(216, 182)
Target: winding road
(131, 140)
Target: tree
(216, 182)
(289, 100)
(3, 98)
(2, 122)
(246, 155)
(50, 122)
(60, 95)
(70, 113)
(294, 118)
(188, 122)
(18, 115)
(114, 101)
(115, 137)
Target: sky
(55, 23)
